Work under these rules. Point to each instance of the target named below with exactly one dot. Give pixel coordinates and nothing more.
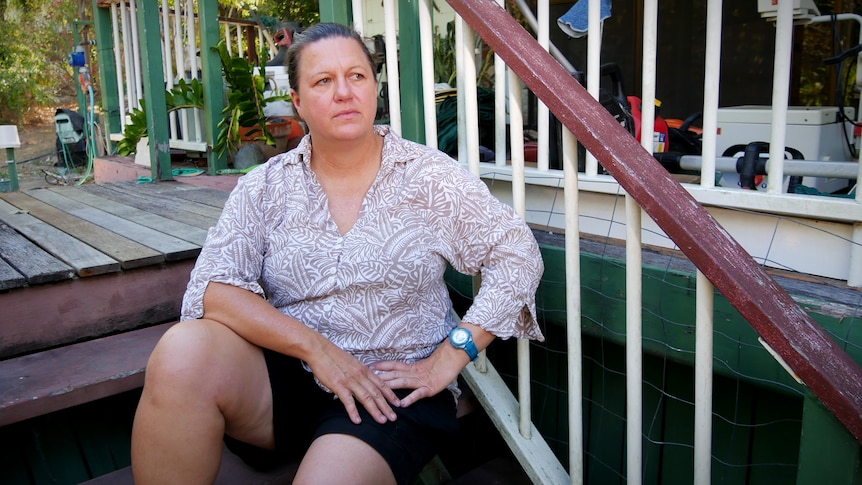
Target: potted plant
(243, 118)
(186, 94)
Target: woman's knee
(191, 352)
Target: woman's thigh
(214, 366)
(340, 458)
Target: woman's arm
(254, 319)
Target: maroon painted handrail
(806, 348)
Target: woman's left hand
(426, 377)
(429, 376)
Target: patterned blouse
(378, 290)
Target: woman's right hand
(352, 381)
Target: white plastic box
(815, 131)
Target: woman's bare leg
(339, 458)
(202, 381)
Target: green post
(13, 169)
(107, 70)
(154, 85)
(828, 453)
(212, 81)
(409, 56)
(338, 11)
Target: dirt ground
(38, 138)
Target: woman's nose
(342, 88)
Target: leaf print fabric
(378, 290)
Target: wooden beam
(806, 348)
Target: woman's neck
(346, 159)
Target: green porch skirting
(757, 406)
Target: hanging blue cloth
(575, 22)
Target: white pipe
(466, 39)
(167, 57)
(542, 111)
(227, 39)
(239, 49)
(191, 32)
(136, 50)
(804, 168)
(519, 201)
(426, 40)
(500, 114)
(712, 76)
(648, 73)
(594, 55)
(180, 20)
(516, 118)
(179, 52)
(499, 107)
(634, 339)
(118, 62)
(392, 75)
(573, 308)
(703, 381)
(358, 17)
(780, 93)
(460, 106)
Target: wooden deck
(91, 276)
(83, 262)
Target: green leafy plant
(243, 117)
(444, 58)
(186, 94)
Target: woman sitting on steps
(316, 325)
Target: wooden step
(63, 377)
(233, 471)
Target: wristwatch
(461, 338)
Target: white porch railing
(796, 220)
(180, 30)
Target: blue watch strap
(471, 349)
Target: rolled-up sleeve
(486, 236)
(234, 249)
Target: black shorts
(302, 411)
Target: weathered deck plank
(9, 278)
(211, 210)
(83, 258)
(170, 208)
(191, 193)
(30, 260)
(171, 247)
(156, 222)
(130, 254)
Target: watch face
(459, 336)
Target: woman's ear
(294, 98)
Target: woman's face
(336, 91)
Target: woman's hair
(316, 33)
